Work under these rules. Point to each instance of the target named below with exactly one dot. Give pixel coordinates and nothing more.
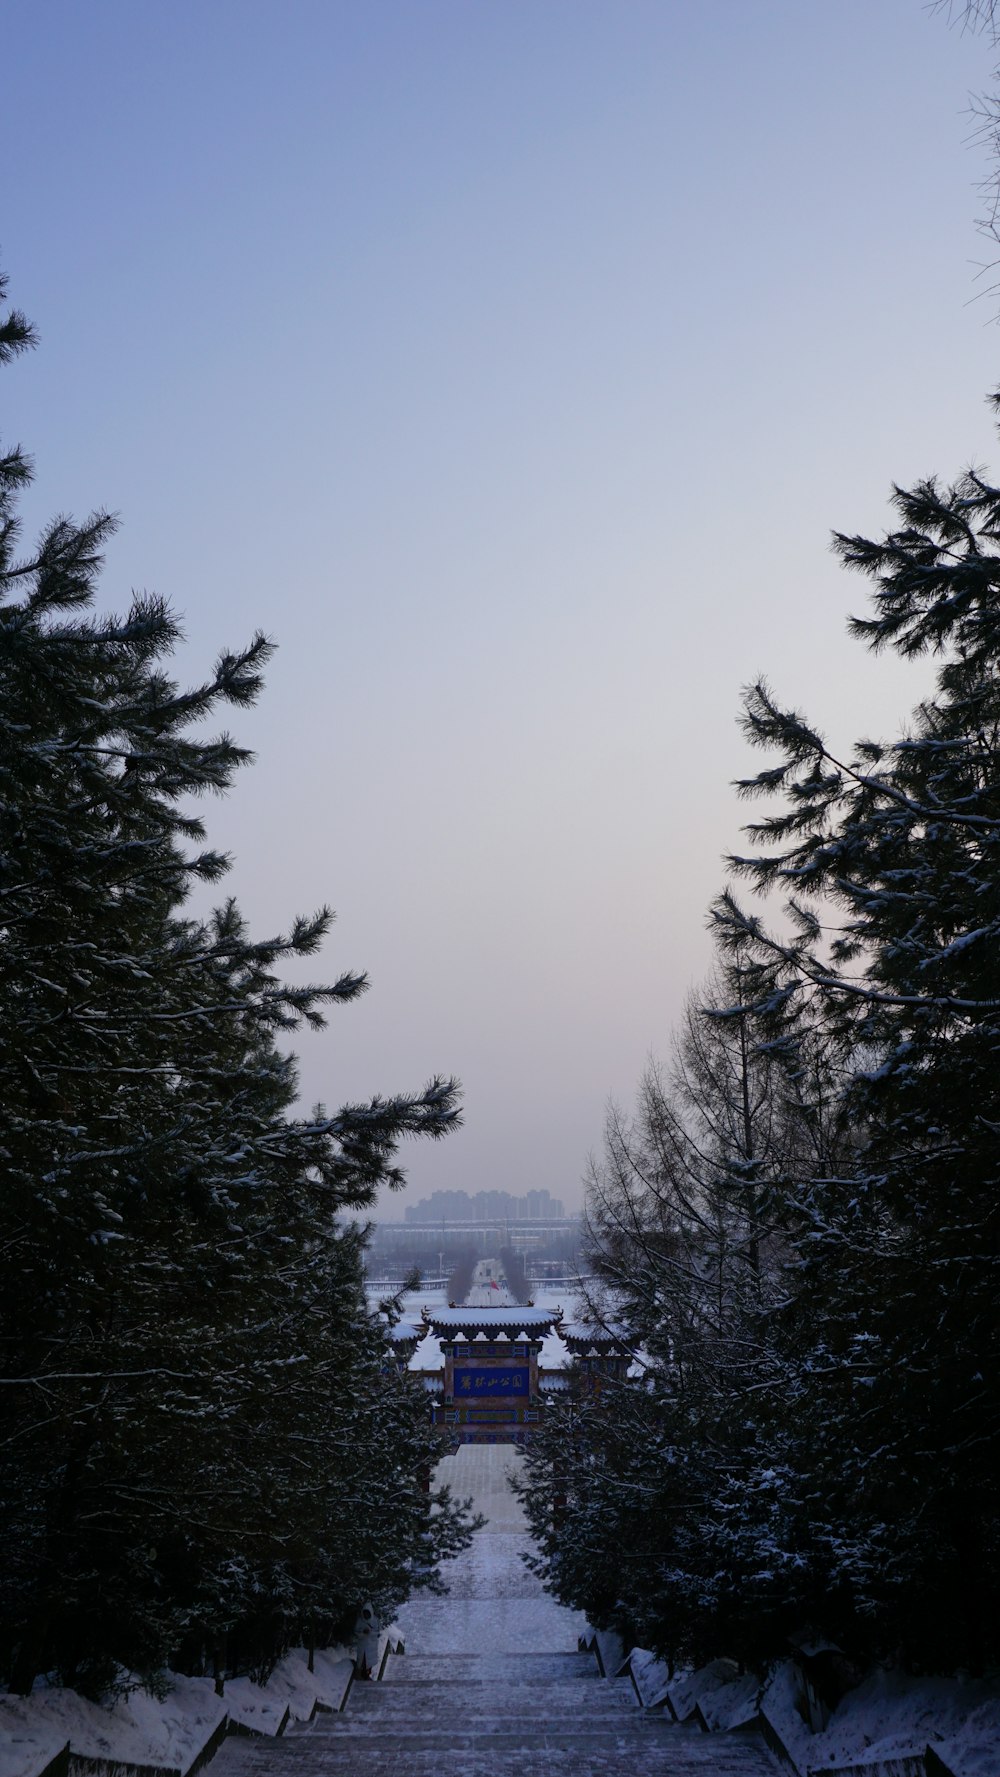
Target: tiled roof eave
(527, 1320)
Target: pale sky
(509, 362)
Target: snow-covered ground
(891, 1715)
(883, 1727)
(493, 1603)
(169, 1733)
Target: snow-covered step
(461, 1668)
(681, 1755)
(524, 1702)
(374, 1726)
(503, 1735)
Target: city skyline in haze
(464, 1206)
(509, 365)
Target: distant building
(458, 1206)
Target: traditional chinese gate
(491, 1385)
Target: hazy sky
(508, 361)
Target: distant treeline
(513, 1270)
(460, 1281)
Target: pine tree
(688, 1242)
(204, 1435)
(829, 1456)
(889, 860)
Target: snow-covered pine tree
(203, 1434)
(890, 859)
(686, 1240)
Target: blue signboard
(491, 1384)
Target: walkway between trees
(491, 1684)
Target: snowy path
(493, 1603)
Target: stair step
(451, 1702)
(714, 1755)
(465, 1710)
(448, 1690)
(466, 1668)
(500, 1732)
(495, 1721)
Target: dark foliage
(512, 1264)
(802, 1226)
(460, 1282)
(203, 1434)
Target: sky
(510, 363)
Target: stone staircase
(498, 1715)
(470, 1700)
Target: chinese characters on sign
(479, 1383)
